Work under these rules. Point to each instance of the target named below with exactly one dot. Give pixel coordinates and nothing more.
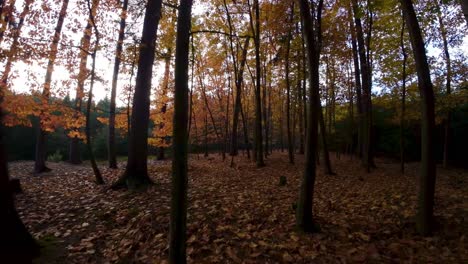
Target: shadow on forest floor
(243, 214)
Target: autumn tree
(178, 227)
(424, 219)
(40, 162)
(112, 156)
(312, 35)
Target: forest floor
(243, 215)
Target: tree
(17, 244)
(288, 90)
(178, 226)
(41, 144)
(424, 219)
(112, 156)
(464, 5)
(312, 35)
(74, 156)
(97, 173)
(136, 171)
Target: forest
(243, 131)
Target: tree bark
(136, 172)
(178, 226)
(17, 244)
(424, 219)
(403, 99)
(312, 36)
(165, 85)
(97, 173)
(41, 135)
(448, 83)
(111, 151)
(464, 5)
(258, 99)
(323, 133)
(74, 152)
(367, 159)
(288, 92)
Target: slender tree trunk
(312, 36)
(448, 84)
(258, 100)
(111, 151)
(178, 227)
(357, 77)
(403, 99)
(136, 172)
(323, 133)
(237, 104)
(41, 136)
(97, 173)
(74, 152)
(424, 219)
(288, 91)
(366, 91)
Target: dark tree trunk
(258, 86)
(288, 92)
(323, 134)
(403, 99)
(367, 160)
(177, 242)
(357, 78)
(312, 36)
(41, 139)
(97, 173)
(424, 219)
(111, 151)
(448, 85)
(136, 172)
(17, 244)
(74, 153)
(464, 5)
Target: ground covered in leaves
(243, 215)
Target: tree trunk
(178, 226)
(403, 99)
(448, 84)
(74, 152)
(357, 77)
(424, 219)
(41, 139)
(97, 173)
(366, 91)
(258, 100)
(17, 244)
(323, 133)
(136, 172)
(237, 104)
(288, 92)
(111, 151)
(464, 5)
(312, 36)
